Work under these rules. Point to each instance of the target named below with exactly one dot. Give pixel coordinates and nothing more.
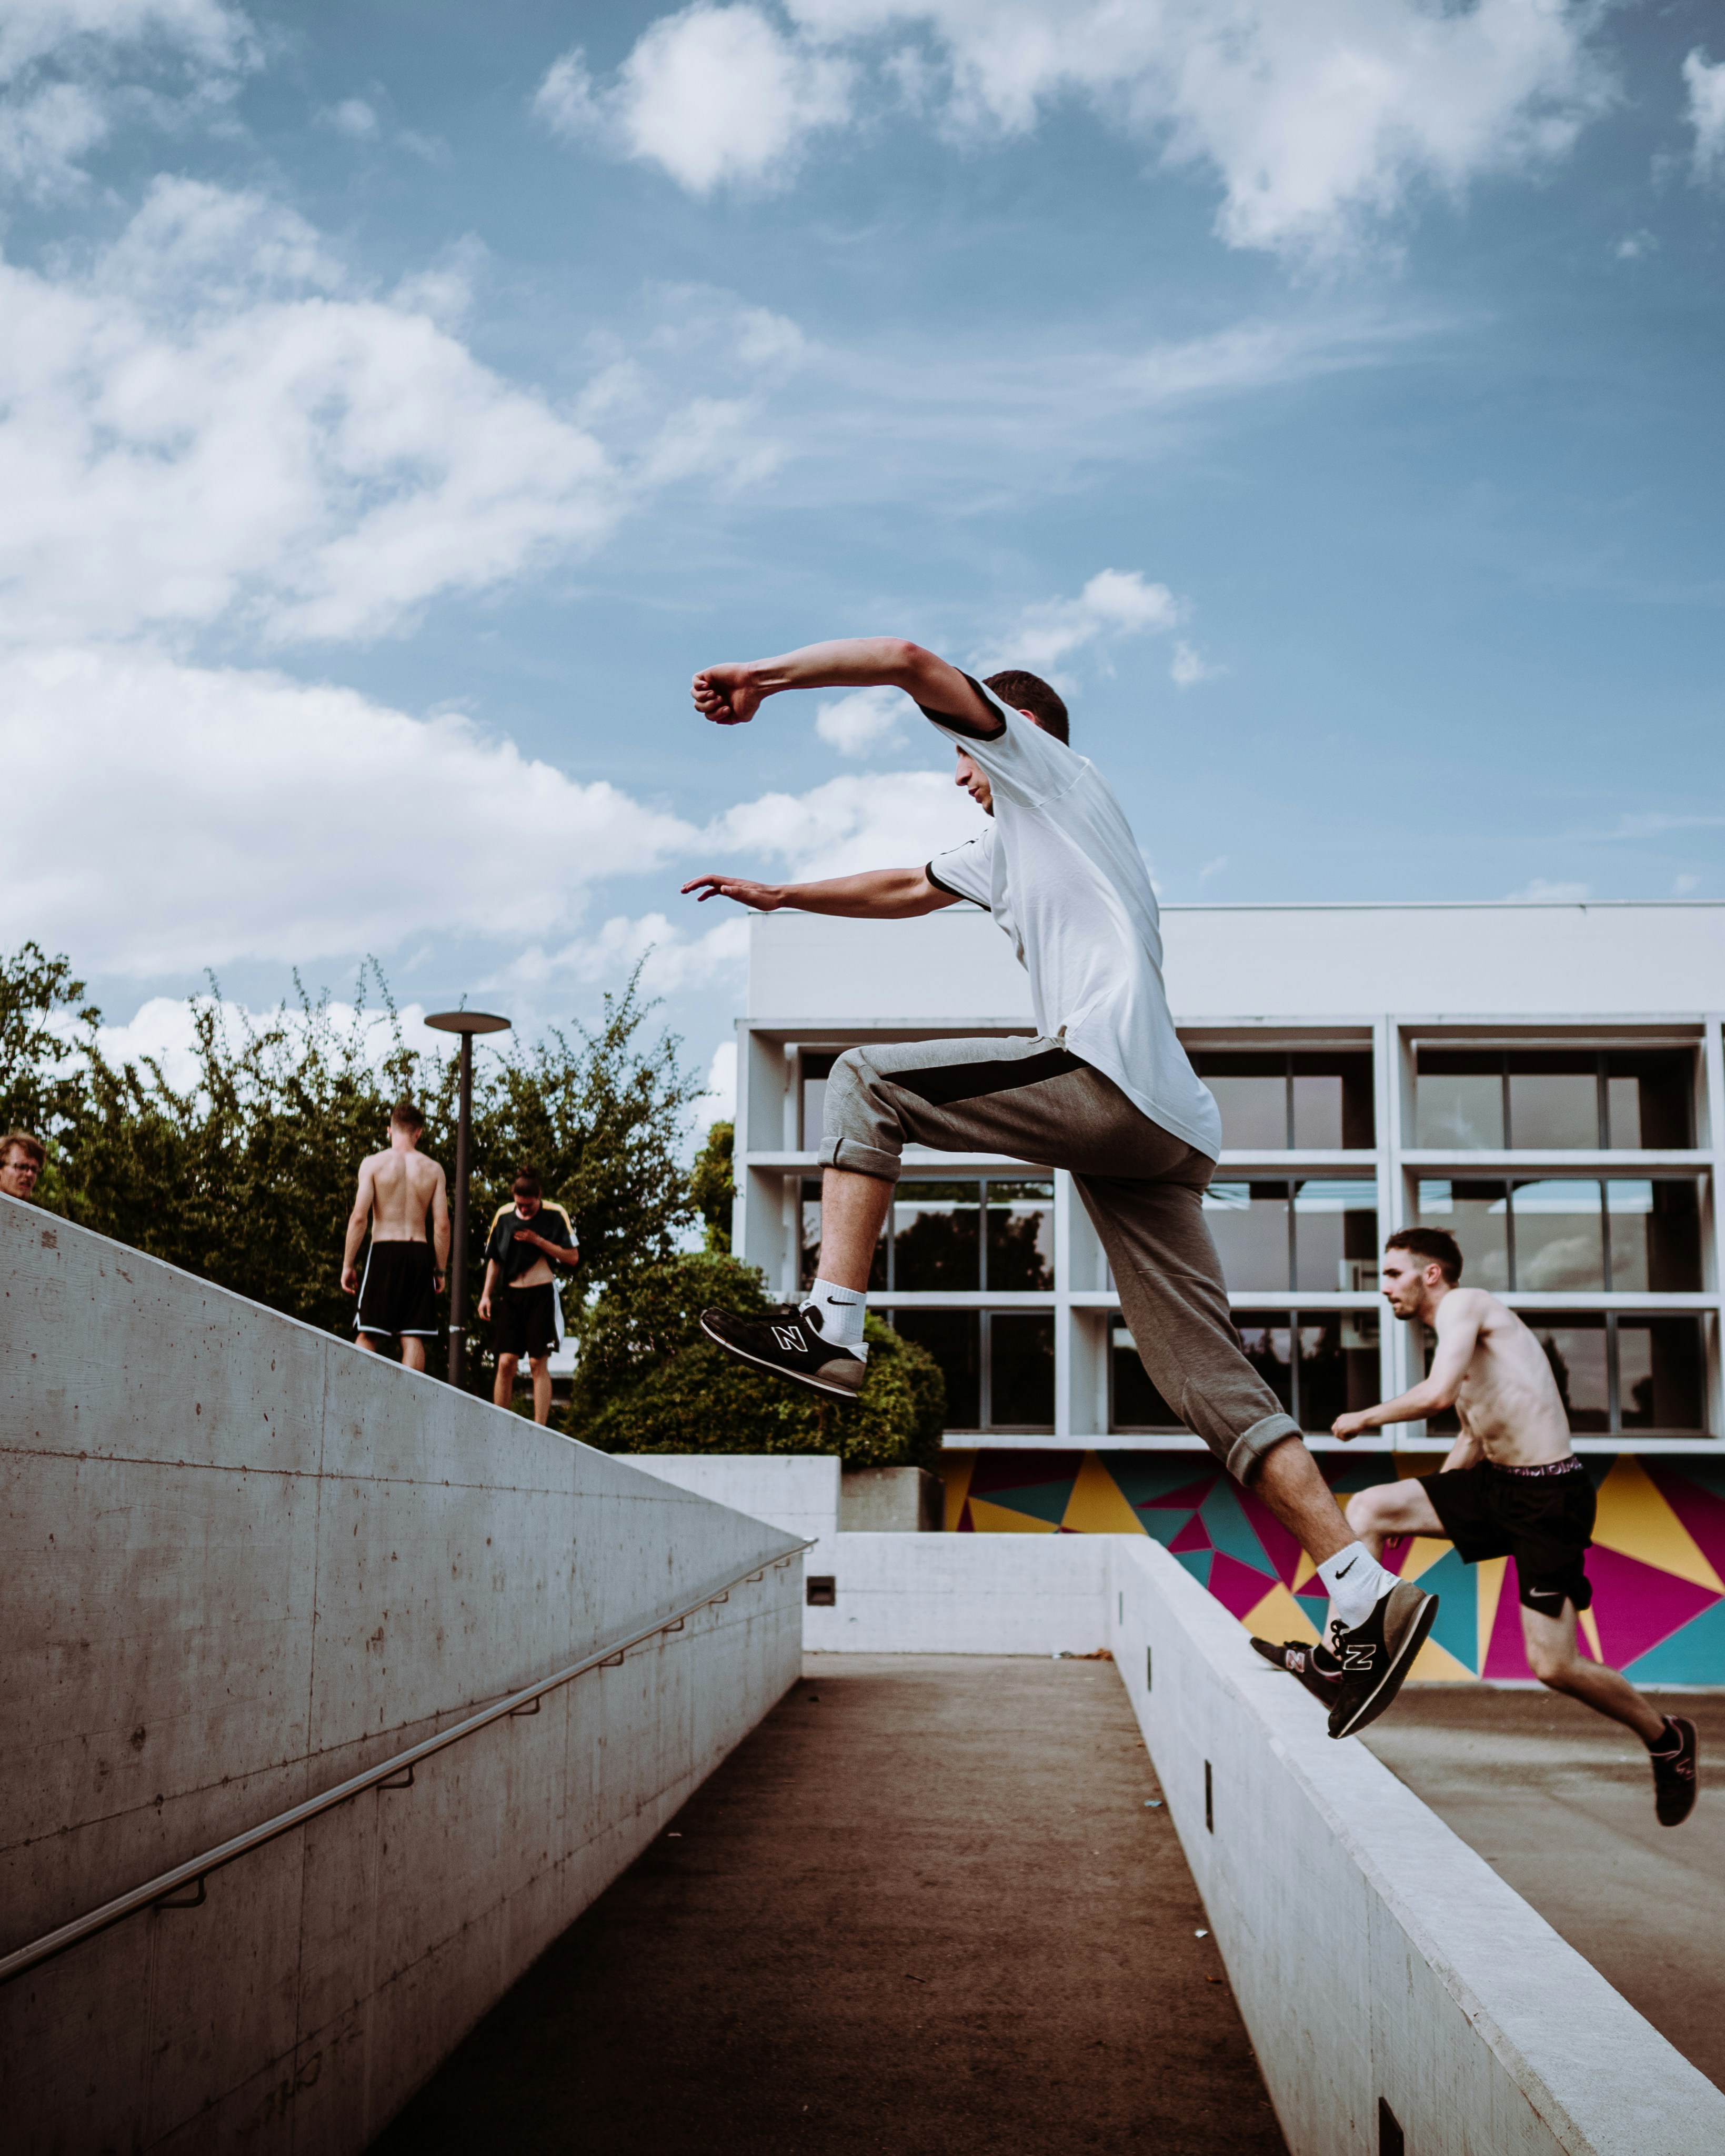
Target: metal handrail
(197, 1869)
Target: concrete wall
(1375, 1955)
(243, 1561)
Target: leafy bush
(649, 1381)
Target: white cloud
(886, 819)
(1655, 823)
(1540, 892)
(610, 953)
(714, 96)
(1213, 868)
(59, 62)
(161, 1030)
(1634, 244)
(1683, 886)
(1115, 604)
(1190, 666)
(718, 1104)
(354, 118)
(870, 719)
(1320, 121)
(1704, 80)
(235, 815)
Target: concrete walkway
(922, 1908)
(1561, 1803)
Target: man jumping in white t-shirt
(1105, 1091)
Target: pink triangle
(1281, 1546)
(1237, 1586)
(966, 1526)
(1187, 1498)
(1699, 1510)
(1635, 1606)
(1194, 1535)
(1506, 1656)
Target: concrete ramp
(246, 1564)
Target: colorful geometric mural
(1657, 1564)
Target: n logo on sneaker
(790, 1339)
(1358, 1658)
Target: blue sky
(401, 402)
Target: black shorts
(397, 1297)
(1544, 1521)
(524, 1320)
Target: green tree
(713, 1184)
(47, 1030)
(650, 1381)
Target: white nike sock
(1357, 1583)
(841, 1315)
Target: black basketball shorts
(398, 1296)
(524, 1320)
(1542, 1518)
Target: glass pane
(1252, 1093)
(1020, 1239)
(1250, 1223)
(1477, 1215)
(937, 1245)
(1338, 1365)
(1554, 1100)
(1661, 1374)
(808, 1264)
(1267, 1336)
(1335, 1234)
(954, 1339)
(1560, 1241)
(1650, 1092)
(1021, 1369)
(816, 1065)
(1575, 1348)
(1333, 1100)
(1458, 1099)
(1655, 1234)
(1133, 1401)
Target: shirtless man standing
(398, 1298)
(1511, 1486)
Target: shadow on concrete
(922, 1908)
(1561, 1804)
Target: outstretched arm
(876, 895)
(730, 695)
(1458, 1332)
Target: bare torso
(1508, 1402)
(402, 1186)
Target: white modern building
(1545, 1079)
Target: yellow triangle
(1436, 1664)
(958, 1468)
(995, 1520)
(1303, 1571)
(1491, 1579)
(1422, 1554)
(1590, 1625)
(1279, 1616)
(1636, 1522)
(1096, 1506)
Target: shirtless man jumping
(398, 1298)
(1511, 1486)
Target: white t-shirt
(1062, 876)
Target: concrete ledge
(967, 1595)
(1375, 1957)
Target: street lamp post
(466, 1023)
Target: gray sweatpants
(1143, 1188)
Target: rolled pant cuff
(1246, 1453)
(859, 1159)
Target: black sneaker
(1674, 1773)
(1375, 1656)
(788, 1342)
(1306, 1663)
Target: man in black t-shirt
(527, 1239)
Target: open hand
(727, 694)
(762, 897)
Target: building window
(1319, 1364)
(998, 1365)
(1629, 1234)
(1310, 1232)
(816, 1067)
(1271, 1103)
(1583, 1100)
(942, 1237)
(1618, 1371)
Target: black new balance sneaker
(1674, 1773)
(1375, 1656)
(787, 1342)
(1316, 1667)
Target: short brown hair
(526, 1183)
(1436, 1245)
(406, 1117)
(33, 1147)
(1029, 692)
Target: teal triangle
(1693, 1655)
(1037, 1500)
(1142, 1477)
(1163, 1526)
(1197, 1563)
(1224, 1517)
(1456, 1628)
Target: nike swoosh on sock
(1347, 1567)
